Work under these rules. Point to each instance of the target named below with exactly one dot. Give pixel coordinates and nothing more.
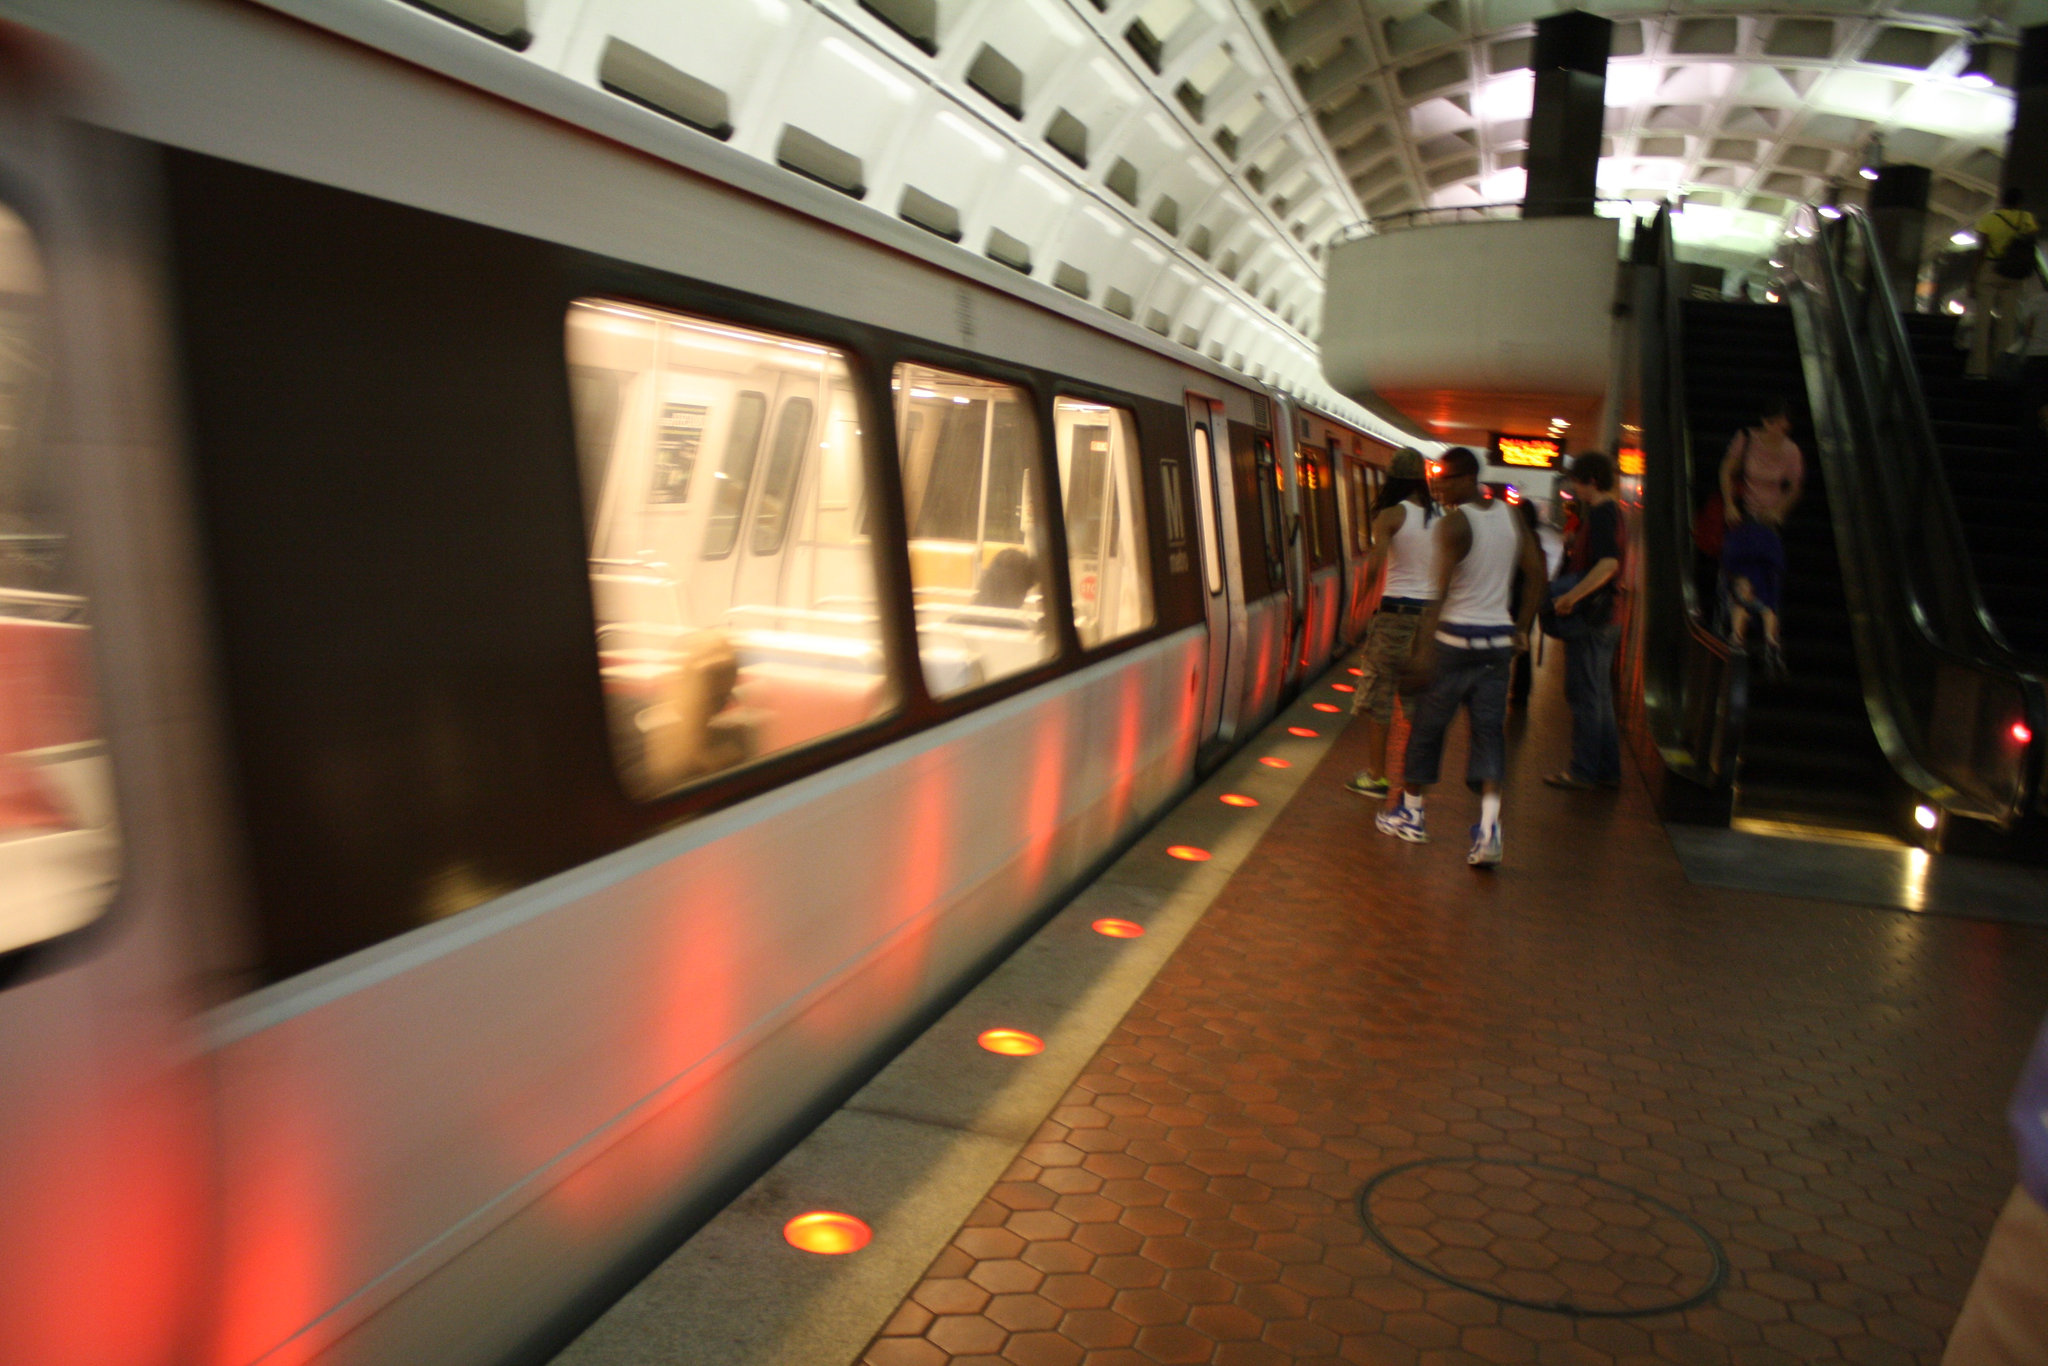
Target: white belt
(1506, 642)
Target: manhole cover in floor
(1542, 1237)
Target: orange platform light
(1304, 732)
(1238, 799)
(827, 1233)
(1356, 673)
(1187, 853)
(1011, 1043)
(1342, 687)
(1270, 762)
(1326, 706)
(2022, 732)
(1112, 928)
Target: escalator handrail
(1695, 683)
(1907, 615)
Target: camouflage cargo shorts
(1388, 639)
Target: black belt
(1403, 607)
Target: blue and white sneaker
(1485, 848)
(1403, 822)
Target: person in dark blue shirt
(1584, 606)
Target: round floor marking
(1540, 1236)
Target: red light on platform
(1113, 928)
(1304, 732)
(1270, 762)
(1187, 853)
(827, 1232)
(1326, 706)
(1011, 1043)
(1238, 799)
(1356, 673)
(2022, 732)
(1342, 687)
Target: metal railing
(1943, 689)
(1503, 211)
(1695, 687)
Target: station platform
(1348, 1100)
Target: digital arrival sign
(1527, 452)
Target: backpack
(2015, 260)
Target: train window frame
(865, 651)
(1130, 499)
(60, 795)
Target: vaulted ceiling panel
(1778, 100)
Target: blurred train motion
(525, 668)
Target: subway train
(529, 666)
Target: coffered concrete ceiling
(1745, 109)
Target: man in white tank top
(1464, 644)
(1401, 527)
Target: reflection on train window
(735, 474)
(977, 557)
(59, 849)
(1108, 552)
(718, 649)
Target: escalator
(1997, 467)
(1807, 752)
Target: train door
(1205, 431)
(109, 842)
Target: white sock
(1489, 812)
(1411, 801)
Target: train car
(528, 667)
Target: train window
(1108, 552)
(58, 841)
(1205, 504)
(716, 653)
(1270, 485)
(978, 568)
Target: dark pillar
(2026, 149)
(1565, 120)
(1898, 216)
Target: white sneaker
(1485, 848)
(1403, 822)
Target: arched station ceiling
(1745, 109)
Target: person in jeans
(1592, 563)
(1762, 476)
(1463, 645)
(1401, 542)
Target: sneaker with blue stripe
(1485, 848)
(1403, 822)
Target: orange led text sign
(1533, 452)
